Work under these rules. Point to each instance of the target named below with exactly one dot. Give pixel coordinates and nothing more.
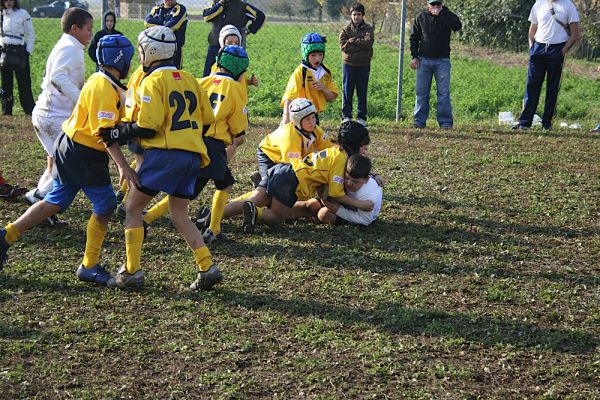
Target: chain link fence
(485, 79)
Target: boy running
(82, 162)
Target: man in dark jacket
(172, 15)
(430, 51)
(229, 12)
(108, 28)
(356, 42)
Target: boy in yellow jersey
(82, 163)
(311, 79)
(222, 138)
(173, 110)
(226, 134)
(288, 186)
(295, 139)
(231, 36)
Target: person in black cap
(430, 51)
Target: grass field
(480, 87)
(480, 280)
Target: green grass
(480, 280)
(480, 89)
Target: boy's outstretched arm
(126, 173)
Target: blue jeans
(544, 62)
(355, 78)
(211, 58)
(440, 69)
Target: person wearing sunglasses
(430, 51)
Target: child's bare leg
(259, 197)
(178, 209)
(35, 214)
(136, 202)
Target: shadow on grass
(396, 248)
(19, 333)
(396, 319)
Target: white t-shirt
(63, 79)
(549, 31)
(369, 191)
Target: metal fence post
(401, 62)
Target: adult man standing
(430, 51)
(553, 31)
(229, 12)
(172, 15)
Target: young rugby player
(227, 133)
(173, 109)
(359, 185)
(311, 79)
(295, 139)
(82, 163)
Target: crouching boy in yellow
(172, 111)
(82, 163)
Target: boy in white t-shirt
(62, 83)
(359, 185)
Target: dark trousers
(24, 81)
(544, 62)
(355, 78)
(177, 57)
(211, 58)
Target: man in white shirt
(553, 31)
(359, 185)
(62, 83)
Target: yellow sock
(259, 213)
(124, 186)
(243, 197)
(203, 258)
(157, 210)
(134, 238)
(218, 209)
(93, 242)
(12, 234)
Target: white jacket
(63, 80)
(18, 29)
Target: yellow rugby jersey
(243, 80)
(132, 98)
(300, 85)
(229, 108)
(326, 167)
(174, 105)
(100, 105)
(287, 143)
